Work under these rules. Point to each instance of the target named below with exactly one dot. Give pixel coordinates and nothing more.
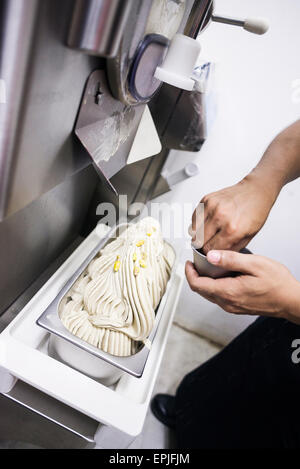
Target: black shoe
(163, 407)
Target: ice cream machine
(78, 81)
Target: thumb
(231, 260)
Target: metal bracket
(106, 127)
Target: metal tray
(50, 320)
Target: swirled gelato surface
(112, 304)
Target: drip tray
(23, 354)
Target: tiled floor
(185, 351)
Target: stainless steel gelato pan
(79, 354)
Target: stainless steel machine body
(48, 187)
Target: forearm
(280, 163)
(235, 214)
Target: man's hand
(234, 215)
(264, 287)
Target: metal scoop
(206, 269)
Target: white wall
(254, 87)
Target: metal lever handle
(252, 25)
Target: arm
(232, 217)
(280, 163)
(235, 214)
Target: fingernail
(214, 257)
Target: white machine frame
(24, 356)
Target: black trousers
(247, 396)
